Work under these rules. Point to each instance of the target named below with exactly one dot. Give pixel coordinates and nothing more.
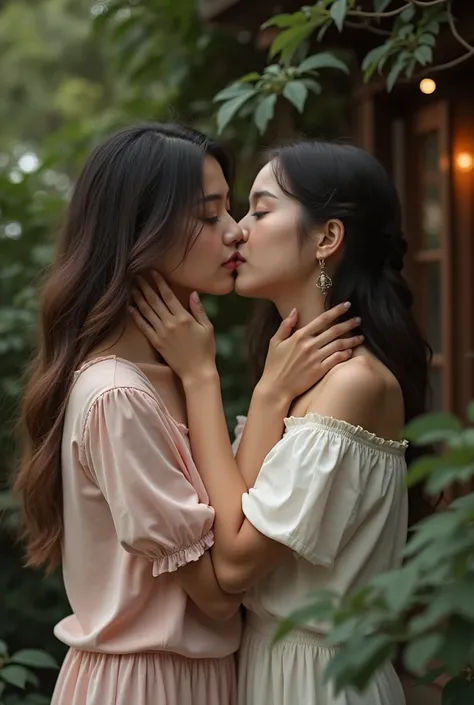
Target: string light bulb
(427, 86)
(465, 161)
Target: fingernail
(293, 312)
(358, 319)
(347, 304)
(195, 297)
(361, 338)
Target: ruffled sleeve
(137, 462)
(238, 431)
(308, 494)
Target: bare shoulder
(362, 392)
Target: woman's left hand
(184, 339)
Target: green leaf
(323, 60)
(312, 85)
(371, 60)
(434, 527)
(381, 5)
(296, 92)
(458, 642)
(408, 14)
(228, 110)
(285, 20)
(322, 32)
(420, 651)
(288, 41)
(250, 77)
(424, 54)
(357, 663)
(34, 658)
(233, 91)
(264, 112)
(428, 39)
(398, 586)
(273, 69)
(320, 610)
(432, 428)
(422, 468)
(446, 476)
(338, 13)
(3, 648)
(14, 675)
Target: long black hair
(134, 200)
(340, 181)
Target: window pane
(432, 305)
(436, 384)
(430, 191)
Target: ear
(330, 239)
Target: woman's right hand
(296, 362)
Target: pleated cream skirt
(154, 678)
(292, 671)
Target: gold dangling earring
(323, 282)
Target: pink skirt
(152, 678)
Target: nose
(234, 235)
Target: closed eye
(213, 220)
(258, 215)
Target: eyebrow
(210, 198)
(261, 194)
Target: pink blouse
(135, 510)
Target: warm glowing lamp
(427, 86)
(465, 161)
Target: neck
(130, 343)
(308, 301)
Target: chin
(246, 289)
(218, 288)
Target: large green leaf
(14, 675)
(285, 20)
(289, 40)
(432, 428)
(338, 13)
(264, 112)
(323, 60)
(420, 651)
(296, 92)
(233, 91)
(34, 658)
(229, 109)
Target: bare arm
(241, 554)
(198, 580)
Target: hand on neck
(309, 302)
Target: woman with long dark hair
(107, 481)
(323, 502)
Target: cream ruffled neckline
(346, 429)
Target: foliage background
(73, 71)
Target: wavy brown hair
(125, 213)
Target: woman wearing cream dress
(108, 483)
(317, 499)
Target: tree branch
(397, 11)
(454, 31)
(368, 28)
(448, 65)
(427, 3)
(389, 13)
